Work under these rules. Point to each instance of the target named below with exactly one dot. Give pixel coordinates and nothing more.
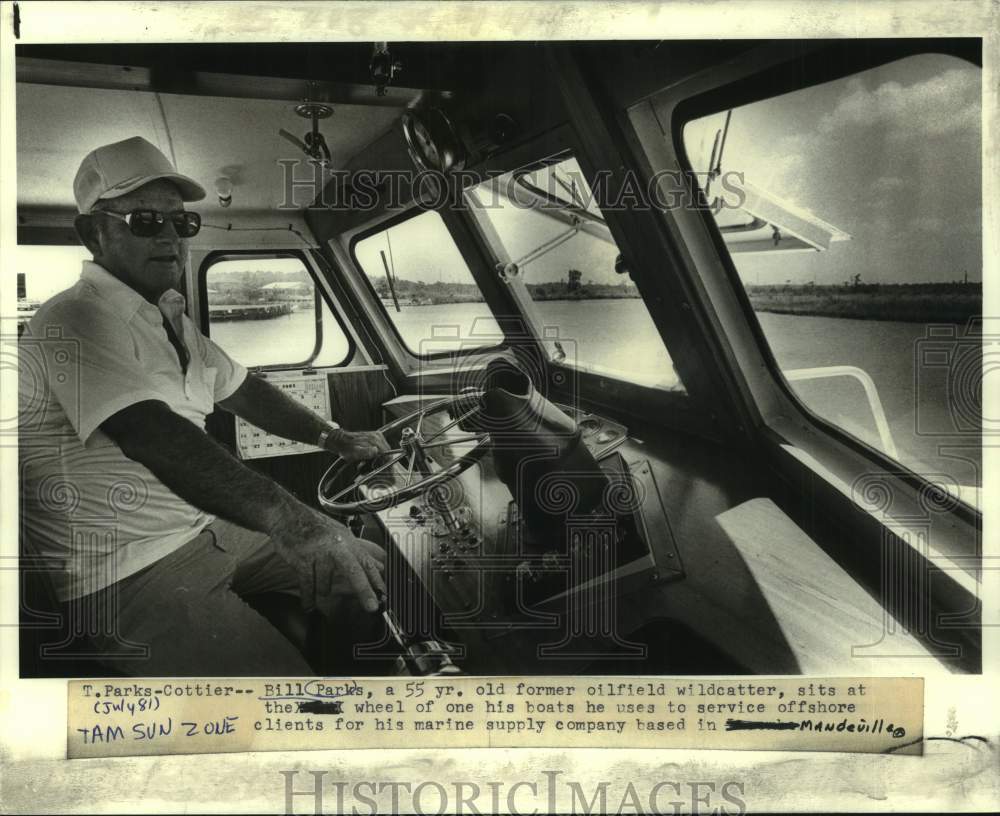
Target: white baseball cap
(119, 168)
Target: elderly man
(160, 530)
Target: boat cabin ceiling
(762, 530)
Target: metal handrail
(867, 383)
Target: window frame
(384, 226)
(551, 161)
(638, 406)
(588, 368)
(320, 300)
(624, 114)
(745, 91)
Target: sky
(418, 249)
(49, 269)
(890, 155)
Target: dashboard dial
(431, 140)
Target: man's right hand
(326, 555)
(329, 559)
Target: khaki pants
(186, 613)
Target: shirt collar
(123, 298)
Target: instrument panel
(312, 389)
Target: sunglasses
(147, 223)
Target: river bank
(904, 303)
(246, 311)
(912, 303)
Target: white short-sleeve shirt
(87, 353)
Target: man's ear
(86, 228)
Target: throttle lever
(427, 658)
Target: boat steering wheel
(405, 471)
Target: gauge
(425, 144)
(431, 140)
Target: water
(613, 335)
(286, 340)
(618, 336)
(927, 386)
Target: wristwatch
(326, 433)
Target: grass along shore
(906, 303)
(909, 303)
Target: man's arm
(272, 410)
(203, 473)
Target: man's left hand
(357, 446)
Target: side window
(852, 214)
(428, 292)
(549, 226)
(43, 271)
(268, 312)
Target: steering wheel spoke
(364, 478)
(422, 474)
(409, 470)
(472, 412)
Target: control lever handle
(427, 658)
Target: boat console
(510, 516)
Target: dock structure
(248, 311)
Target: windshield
(858, 241)
(562, 263)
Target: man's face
(153, 265)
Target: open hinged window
(566, 270)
